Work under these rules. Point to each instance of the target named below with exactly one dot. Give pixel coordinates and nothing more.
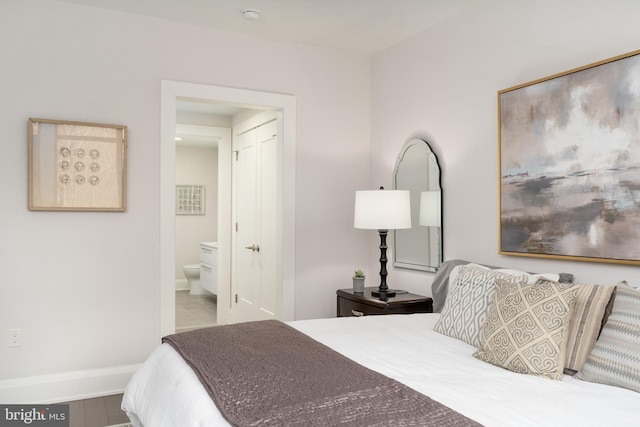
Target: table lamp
(382, 210)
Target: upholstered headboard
(440, 284)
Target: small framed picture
(190, 200)
(75, 166)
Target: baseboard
(182, 285)
(66, 386)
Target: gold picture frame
(77, 166)
(569, 164)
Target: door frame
(286, 105)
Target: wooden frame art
(569, 164)
(75, 166)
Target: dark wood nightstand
(363, 304)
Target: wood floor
(97, 412)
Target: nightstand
(363, 304)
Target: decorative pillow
(525, 328)
(615, 359)
(585, 324)
(465, 310)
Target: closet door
(256, 209)
(270, 291)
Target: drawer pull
(357, 313)
(204, 267)
(207, 250)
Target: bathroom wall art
(569, 150)
(190, 200)
(76, 166)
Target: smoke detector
(250, 14)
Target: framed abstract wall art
(569, 164)
(75, 166)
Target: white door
(256, 233)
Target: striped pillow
(615, 359)
(585, 323)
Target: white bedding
(166, 392)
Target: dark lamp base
(387, 294)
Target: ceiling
(361, 26)
(364, 26)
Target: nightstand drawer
(348, 308)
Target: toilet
(192, 273)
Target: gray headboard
(440, 284)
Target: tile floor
(194, 311)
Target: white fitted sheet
(166, 392)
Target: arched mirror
(417, 170)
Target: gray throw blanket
(269, 374)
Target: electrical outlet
(15, 337)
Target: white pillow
(531, 278)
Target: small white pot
(358, 284)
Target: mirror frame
(438, 231)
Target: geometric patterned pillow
(615, 359)
(525, 328)
(585, 324)
(468, 301)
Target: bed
(166, 391)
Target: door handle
(254, 248)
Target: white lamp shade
(382, 210)
(430, 209)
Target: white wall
(84, 287)
(196, 166)
(442, 86)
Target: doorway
(197, 143)
(171, 91)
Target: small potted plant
(358, 281)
